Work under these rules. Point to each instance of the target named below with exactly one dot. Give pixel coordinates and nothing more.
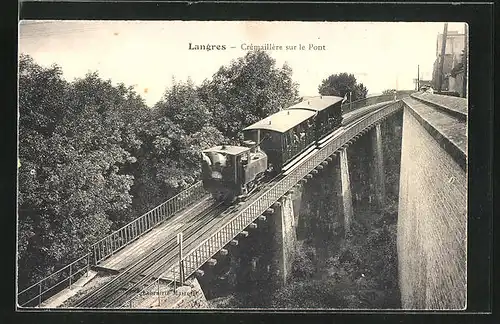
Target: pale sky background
(147, 54)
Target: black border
(480, 157)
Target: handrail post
(159, 301)
(88, 262)
(181, 267)
(70, 272)
(40, 294)
(108, 245)
(175, 280)
(174, 204)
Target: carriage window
(217, 158)
(243, 159)
(250, 135)
(268, 136)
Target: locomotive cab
(231, 171)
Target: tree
(178, 129)
(247, 90)
(341, 84)
(182, 106)
(310, 294)
(94, 156)
(389, 91)
(75, 144)
(303, 263)
(173, 156)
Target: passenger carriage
(283, 135)
(287, 133)
(329, 112)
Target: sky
(149, 54)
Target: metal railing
(62, 278)
(141, 225)
(66, 276)
(349, 107)
(206, 249)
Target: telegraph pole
(465, 61)
(350, 100)
(443, 51)
(397, 88)
(418, 77)
(181, 265)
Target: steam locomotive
(269, 145)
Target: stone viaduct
(414, 162)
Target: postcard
(242, 165)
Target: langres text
(208, 47)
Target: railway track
(150, 265)
(159, 267)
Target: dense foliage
(74, 145)
(361, 274)
(359, 270)
(341, 84)
(246, 91)
(93, 155)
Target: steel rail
(141, 225)
(209, 252)
(154, 269)
(137, 269)
(114, 241)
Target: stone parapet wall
(432, 222)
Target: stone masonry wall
(432, 223)
(285, 236)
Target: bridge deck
(135, 250)
(170, 228)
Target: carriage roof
(317, 103)
(283, 120)
(227, 149)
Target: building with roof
(454, 52)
